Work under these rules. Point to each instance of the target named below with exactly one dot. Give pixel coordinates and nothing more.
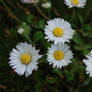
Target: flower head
(88, 63)
(24, 59)
(58, 30)
(75, 3)
(59, 55)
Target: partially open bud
(20, 30)
(24, 29)
(46, 5)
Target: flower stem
(28, 38)
(56, 12)
(40, 11)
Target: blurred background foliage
(72, 78)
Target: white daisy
(88, 63)
(30, 1)
(59, 55)
(75, 3)
(24, 58)
(58, 30)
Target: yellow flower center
(58, 55)
(26, 58)
(58, 32)
(75, 2)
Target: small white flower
(59, 55)
(75, 3)
(30, 1)
(88, 63)
(24, 59)
(20, 30)
(46, 5)
(58, 30)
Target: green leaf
(42, 24)
(86, 31)
(87, 81)
(85, 52)
(87, 27)
(81, 19)
(83, 46)
(77, 38)
(76, 67)
(29, 18)
(38, 36)
(69, 75)
(38, 86)
(39, 24)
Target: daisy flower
(88, 63)
(75, 3)
(24, 59)
(30, 1)
(59, 55)
(58, 30)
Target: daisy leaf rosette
(58, 30)
(75, 3)
(88, 63)
(59, 55)
(24, 59)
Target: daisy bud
(46, 5)
(24, 29)
(20, 30)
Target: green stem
(40, 11)
(88, 13)
(74, 16)
(28, 38)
